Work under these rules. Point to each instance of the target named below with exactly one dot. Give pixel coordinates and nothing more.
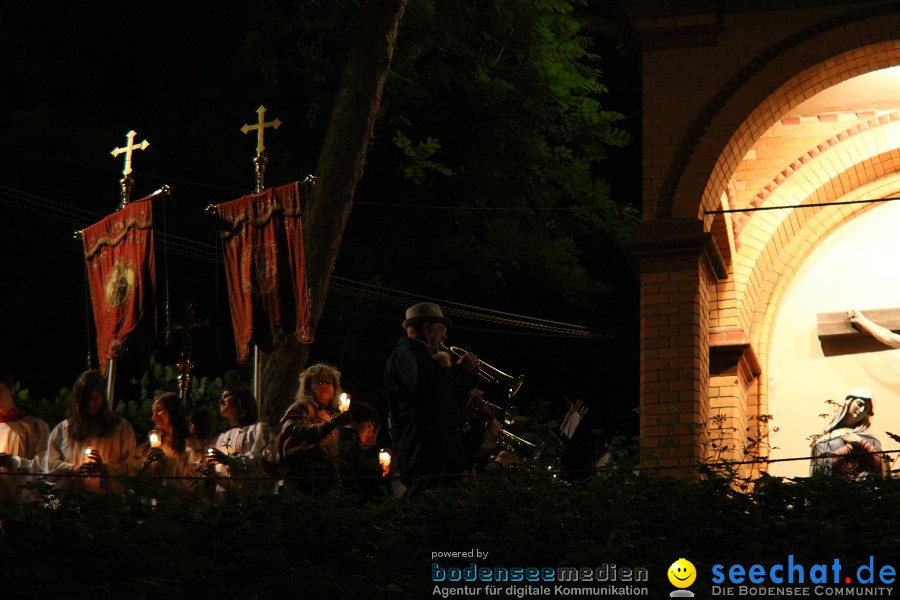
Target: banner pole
(110, 381)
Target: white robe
(25, 441)
(65, 455)
(245, 446)
(180, 471)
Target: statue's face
(856, 412)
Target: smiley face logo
(682, 573)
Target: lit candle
(344, 402)
(384, 459)
(88, 451)
(155, 439)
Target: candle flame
(155, 439)
(344, 402)
(384, 459)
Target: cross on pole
(127, 182)
(260, 128)
(127, 150)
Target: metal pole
(110, 381)
(257, 379)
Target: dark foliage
(321, 547)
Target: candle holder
(155, 438)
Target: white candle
(384, 459)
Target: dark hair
(204, 422)
(248, 412)
(175, 408)
(6, 379)
(362, 412)
(81, 424)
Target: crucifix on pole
(127, 182)
(186, 328)
(259, 163)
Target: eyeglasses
(323, 383)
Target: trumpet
(490, 373)
(507, 416)
(519, 446)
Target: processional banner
(265, 268)
(122, 278)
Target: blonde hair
(306, 381)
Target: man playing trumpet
(425, 419)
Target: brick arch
(791, 257)
(805, 158)
(774, 231)
(822, 55)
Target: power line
(814, 205)
(209, 254)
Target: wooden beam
(838, 336)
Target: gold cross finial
(260, 127)
(127, 150)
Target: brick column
(677, 261)
(738, 433)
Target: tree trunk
(340, 167)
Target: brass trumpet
(490, 373)
(519, 446)
(506, 416)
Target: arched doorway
(778, 118)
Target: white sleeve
(126, 445)
(55, 459)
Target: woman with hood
(846, 447)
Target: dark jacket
(425, 420)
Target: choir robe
(65, 455)
(176, 466)
(244, 445)
(25, 440)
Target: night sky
(77, 77)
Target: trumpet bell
(514, 385)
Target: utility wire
(209, 254)
(814, 205)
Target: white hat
(860, 392)
(425, 311)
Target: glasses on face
(323, 383)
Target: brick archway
(710, 284)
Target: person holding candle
(239, 450)
(358, 457)
(23, 441)
(307, 444)
(92, 443)
(202, 428)
(166, 453)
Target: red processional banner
(266, 269)
(122, 277)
